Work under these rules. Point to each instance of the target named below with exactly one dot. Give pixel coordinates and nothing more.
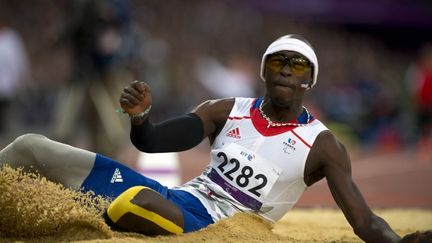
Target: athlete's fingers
(139, 86)
(125, 102)
(131, 99)
(146, 88)
(135, 93)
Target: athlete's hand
(136, 98)
(418, 236)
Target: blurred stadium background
(64, 63)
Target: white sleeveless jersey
(253, 167)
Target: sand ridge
(33, 209)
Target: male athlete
(264, 153)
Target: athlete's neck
(282, 112)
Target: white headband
(288, 43)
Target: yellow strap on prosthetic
(122, 205)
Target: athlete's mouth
(283, 84)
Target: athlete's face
(285, 72)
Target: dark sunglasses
(299, 66)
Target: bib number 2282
(244, 176)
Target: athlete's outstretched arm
(176, 134)
(337, 170)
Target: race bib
(243, 174)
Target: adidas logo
(235, 133)
(117, 177)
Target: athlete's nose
(286, 70)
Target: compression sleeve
(173, 135)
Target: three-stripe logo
(117, 177)
(235, 133)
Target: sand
(33, 209)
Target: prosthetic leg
(56, 161)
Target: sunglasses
(299, 66)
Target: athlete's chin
(282, 101)
(282, 97)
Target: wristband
(138, 116)
(141, 114)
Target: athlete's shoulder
(311, 132)
(242, 106)
(214, 113)
(330, 149)
(225, 104)
(317, 126)
(245, 100)
(217, 111)
(215, 105)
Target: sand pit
(33, 209)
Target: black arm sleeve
(173, 135)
